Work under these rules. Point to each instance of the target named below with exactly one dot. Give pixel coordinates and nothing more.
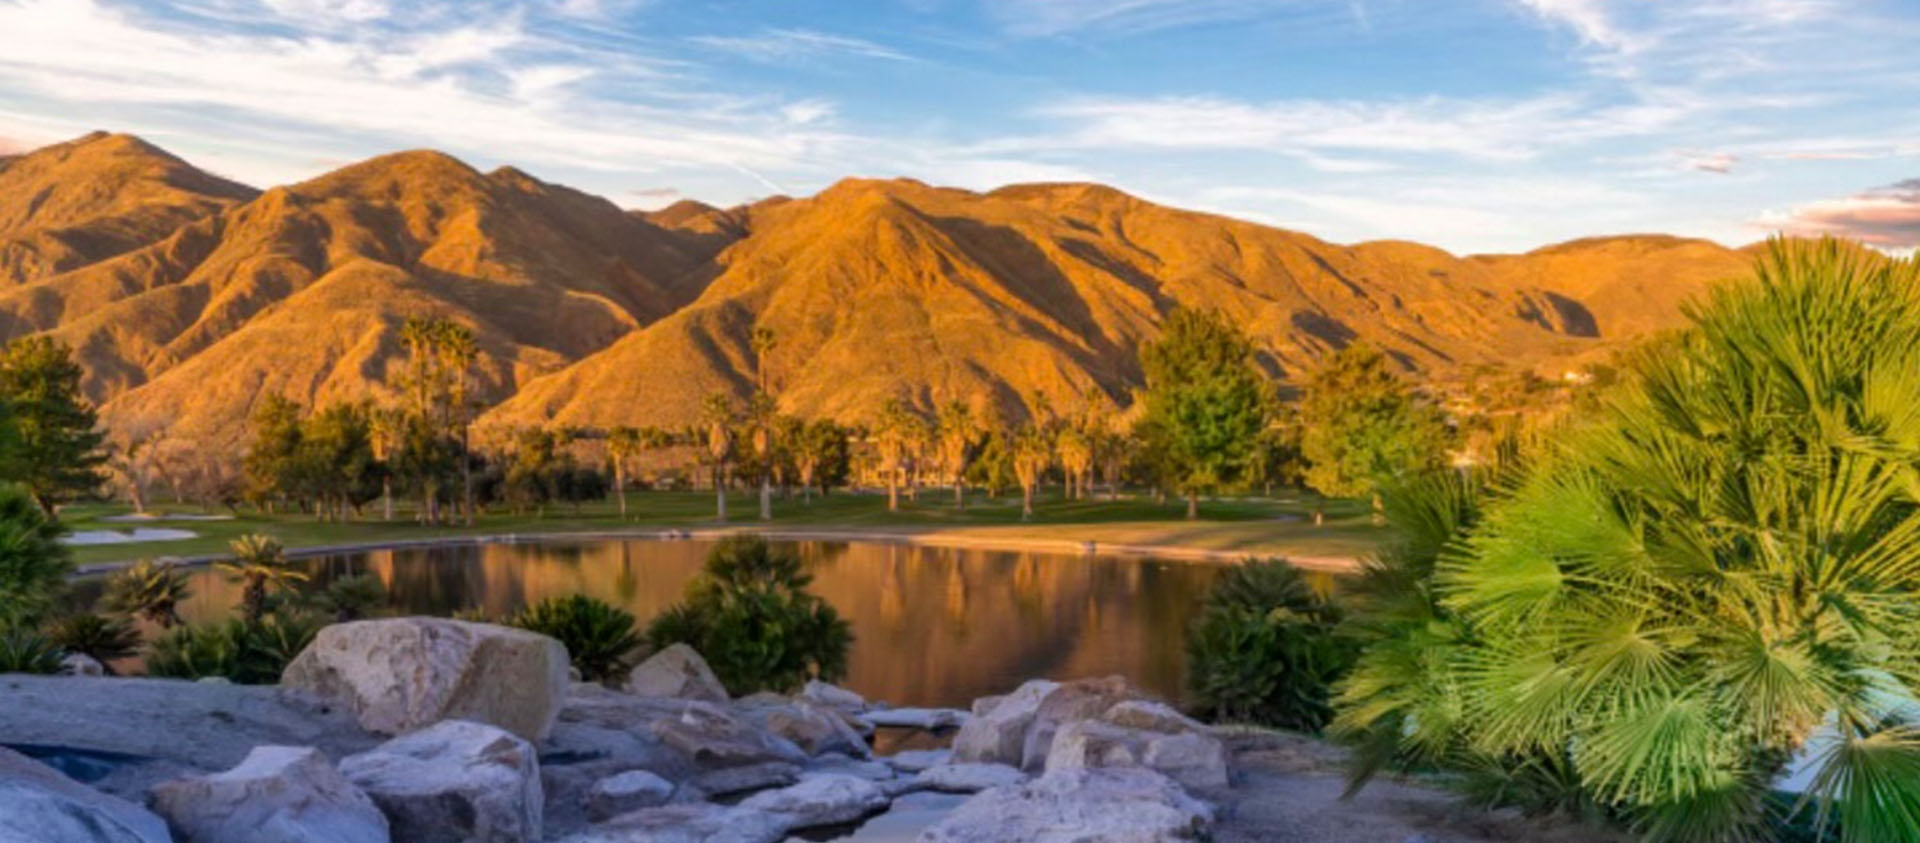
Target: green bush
(22, 651)
(149, 589)
(750, 615)
(351, 598)
(1266, 649)
(241, 652)
(601, 638)
(103, 637)
(33, 563)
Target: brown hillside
(74, 203)
(896, 289)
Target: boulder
(279, 794)
(401, 674)
(1080, 699)
(1124, 805)
(815, 730)
(832, 696)
(970, 778)
(820, 800)
(834, 762)
(453, 782)
(998, 735)
(915, 760)
(627, 792)
(712, 737)
(81, 664)
(39, 805)
(732, 780)
(924, 719)
(1151, 716)
(1195, 759)
(679, 672)
(697, 822)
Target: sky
(1473, 125)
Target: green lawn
(1262, 526)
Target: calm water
(933, 626)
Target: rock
(401, 674)
(970, 778)
(815, 730)
(820, 800)
(832, 696)
(81, 664)
(924, 719)
(999, 735)
(279, 794)
(1152, 716)
(1194, 759)
(186, 724)
(455, 781)
(679, 672)
(751, 777)
(700, 822)
(915, 760)
(39, 805)
(985, 704)
(1071, 701)
(712, 737)
(1126, 805)
(627, 792)
(599, 724)
(834, 762)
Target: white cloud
(1886, 217)
(1587, 18)
(786, 45)
(1036, 18)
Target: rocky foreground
(426, 730)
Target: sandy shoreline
(969, 538)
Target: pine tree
(1206, 403)
(55, 450)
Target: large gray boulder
(679, 672)
(695, 822)
(969, 778)
(832, 696)
(39, 805)
(998, 734)
(627, 792)
(816, 730)
(454, 782)
(713, 737)
(1144, 734)
(400, 674)
(1074, 701)
(819, 800)
(1122, 805)
(279, 794)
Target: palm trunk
(766, 498)
(959, 493)
(893, 491)
(1193, 506)
(620, 488)
(386, 498)
(719, 495)
(466, 472)
(1026, 501)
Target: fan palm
(260, 566)
(149, 589)
(1724, 572)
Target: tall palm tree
(1076, 458)
(387, 428)
(1032, 453)
(149, 589)
(457, 350)
(623, 443)
(762, 418)
(957, 432)
(717, 413)
(895, 436)
(260, 565)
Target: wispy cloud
(1030, 18)
(786, 45)
(1887, 217)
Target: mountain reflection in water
(933, 626)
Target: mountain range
(188, 297)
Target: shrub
(33, 563)
(22, 651)
(352, 598)
(152, 590)
(104, 638)
(242, 652)
(1265, 649)
(601, 638)
(750, 615)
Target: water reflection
(934, 626)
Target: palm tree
(1718, 575)
(895, 435)
(259, 564)
(762, 417)
(458, 350)
(149, 589)
(957, 433)
(1032, 453)
(1076, 459)
(717, 412)
(387, 430)
(623, 443)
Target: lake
(933, 626)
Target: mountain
(86, 200)
(188, 298)
(884, 289)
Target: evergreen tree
(55, 449)
(1206, 403)
(1362, 426)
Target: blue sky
(1474, 125)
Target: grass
(1280, 526)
